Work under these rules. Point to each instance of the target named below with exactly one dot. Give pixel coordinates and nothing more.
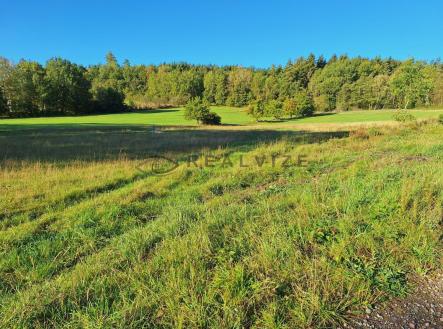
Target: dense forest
(61, 87)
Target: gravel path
(422, 309)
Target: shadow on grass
(296, 118)
(162, 110)
(167, 109)
(322, 114)
(95, 142)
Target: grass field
(230, 116)
(91, 237)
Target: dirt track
(422, 309)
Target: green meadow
(92, 235)
(278, 183)
(229, 115)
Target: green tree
(210, 85)
(174, 84)
(110, 83)
(304, 104)
(134, 84)
(215, 86)
(321, 62)
(109, 75)
(410, 85)
(326, 83)
(256, 110)
(221, 90)
(272, 85)
(437, 92)
(258, 85)
(5, 72)
(190, 83)
(134, 79)
(290, 107)
(342, 83)
(344, 100)
(23, 88)
(239, 86)
(274, 109)
(3, 104)
(108, 100)
(66, 88)
(381, 97)
(301, 105)
(111, 60)
(301, 71)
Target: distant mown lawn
(230, 116)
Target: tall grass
(99, 244)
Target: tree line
(298, 88)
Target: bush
(211, 119)
(197, 109)
(404, 116)
(440, 118)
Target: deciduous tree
(66, 88)
(410, 85)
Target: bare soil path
(421, 309)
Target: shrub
(197, 109)
(211, 119)
(404, 116)
(440, 118)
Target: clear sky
(246, 32)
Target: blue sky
(250, 33)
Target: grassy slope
(158, 117)
(368, 116)
(100, 244)
(234, 116)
